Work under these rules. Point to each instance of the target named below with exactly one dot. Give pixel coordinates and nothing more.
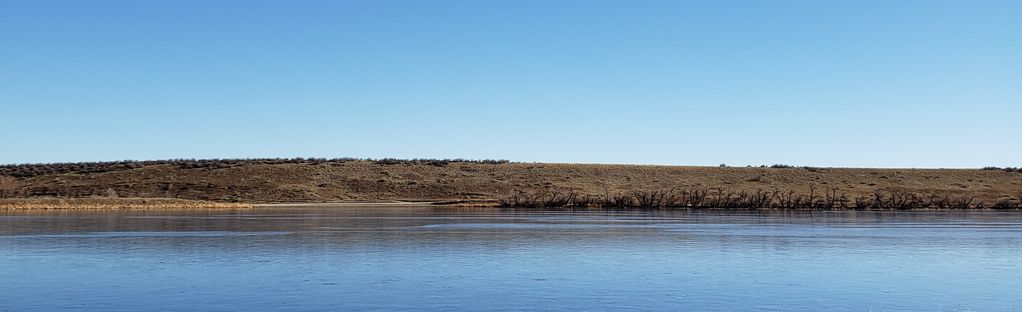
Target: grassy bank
(514, 184)
(112, 203)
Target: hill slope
(319, 180)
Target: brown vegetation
(8, 187)
(699, 198)
(461, 181)
(31, 170)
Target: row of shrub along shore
(775, 199)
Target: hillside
(321, 180)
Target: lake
(429, 258)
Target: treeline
(1006, 169)
(699, 198)
(31, 170)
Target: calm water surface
(379, 258)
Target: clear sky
(824, 83)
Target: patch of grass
(8, 187)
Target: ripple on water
(530, 226)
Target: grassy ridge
(31, 170)
(515, 184)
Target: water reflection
(322, 258)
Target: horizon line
(471, 160)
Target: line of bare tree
(759, 199)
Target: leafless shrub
(696, 198)
(1009, 203)
(833, 200)
(962, 202)
(863, 202)
(654, 199)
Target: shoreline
(72, 204)
(349, 204)
(114, 204)
(491, 205)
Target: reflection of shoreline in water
(151, 234)
(420, 258)
(100, 203)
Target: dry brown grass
(8, 186)
(327, 181)
(112, 204)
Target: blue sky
(823, 83)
